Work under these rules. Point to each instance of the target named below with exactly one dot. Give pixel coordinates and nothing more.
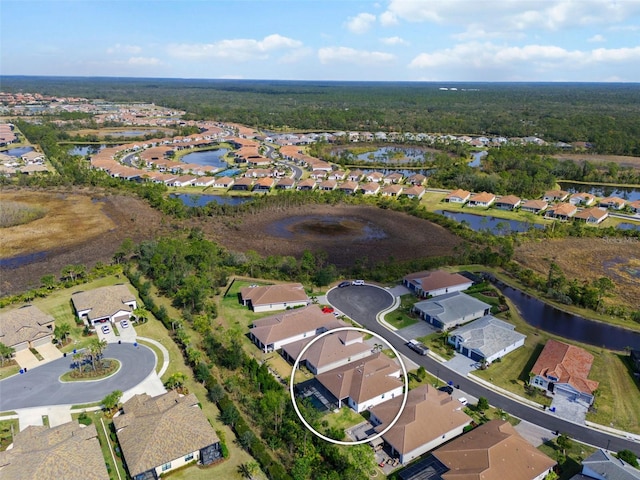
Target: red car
(327, 309)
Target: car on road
(463, 400)
(344, 284)
(106, 330)
(418, 347)
(357, 282)
(124, 323)
(446, 388)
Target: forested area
(605, 115)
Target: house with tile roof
(393, 190)
(534, 206)
(582, 198)
(268, 298)
(25, 327)
(482, 199)
(365, 383)
(508, 202)
(415, 191)
(431, 283)
(563, 369)
(561, 211)
(163, 433)
(69, 451)
(349, 187)
(593, 216)
(450, 310)
(493, 451)
(417, 179)
(112, 303)
(243, 183)
(371, 188)
(458, 196)
(286, 183)
(274, 332)
(307, 184)
(614, 203)
(486, 339)
(223, 182)
(635, 206)
(555, 196)
(330, 351)
(603, 465)
(429, 419)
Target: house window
(166, 466)
(188, 457)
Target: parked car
(446, 388)
(344, 284)
(357, 282)
(124, 323)
(106, 330)
(416, 346)
(463, 400)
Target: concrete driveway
(127, 334)
(26, 359)
(49, 352)
(417, 330)
(42, 386)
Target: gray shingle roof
(69, 451)
(451, 307)
(488, 335)
(609, 467)
(154, 431)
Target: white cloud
(353, 56)
(144, 61)
(241, 49)
(596, 39)
(394, 41)
(547, 61)
(514, 15)
(361, 23)
(130, 49)
(388, 19)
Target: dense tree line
(604, 115)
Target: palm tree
(96, 349)
(61, 332)
(6, 352)
(175, 381)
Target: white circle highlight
(333, 440)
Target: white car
(357, 282)
(106, 330)
(124, 324)
(463, 400)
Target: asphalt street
(363, 303)
(41, 386)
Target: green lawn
(569, 464)
(7, 429)
(402, 316)
(342, 420)
(435, 342)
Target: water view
(16, 152)
(396, 155)
(132, 133)
(200, 200)
(628, 226)
(477, 158)
(85, 150)
(573, 327)
(627, 193)
(208, 157)
(497, 226)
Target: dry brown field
(622, 160)
(588, 259)
(103, 132)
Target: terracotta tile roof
(154, 431)
(535, 204)
(482, 197)
(509, 200)
(24, 324)
(416, 190)
(289, 324)
(568, 363)
(269, 294)
(595, 212)
(428, 414)
(69, 451)
(349, 186)
(556, 194)
(493, 451)
(362, 380)
(563, 209)
(458, 194)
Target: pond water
(630, 194)
(396, 155)
(20, 260)
(85, 150)
(198, 200)
(572, 327)
(405, 171)
(341, 228)
(497, 226)
(229, 172)
(131, 133)
(208, 157)
(477, 158)
(16, 152)
(628, 226)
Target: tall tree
(6, 352)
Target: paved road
(362, 304)
(40, 386)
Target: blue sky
(391, 40)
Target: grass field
(570, 464)
(8, 428)
(342, 420)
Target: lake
(572, 327)
(396, 155)
(212, 158)
(85, 150)
(18, 151)
(497, 226)
(477, 158)
(200, 200)
(628, 226)
(627, 193)
(131, 133)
